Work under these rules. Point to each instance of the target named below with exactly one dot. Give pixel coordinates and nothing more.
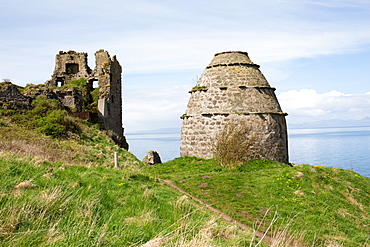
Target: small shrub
(198, 88)
(55, 123)
(48, 117)
(236, 144)
(95, 94)
(42, 105)
(29, 84)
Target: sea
(341, 147)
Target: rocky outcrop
(152, 157)
(11, 98)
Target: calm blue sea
(346, 148)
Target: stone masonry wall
(69, 66)
(109, 71)
(232, 89)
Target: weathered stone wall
(232, 89)
(70, 97)
(69, 66)
(108, 72)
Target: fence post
(116, 160)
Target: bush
(42, 105)
(54, 124)
(235, 144)
(47, 116)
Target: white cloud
(155, 108)
(306, 105)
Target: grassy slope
(50, 204)
(315, 204)
(65, 193)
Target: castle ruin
(107, 73)
(233, 89)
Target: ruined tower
(69, 66)
(232, 89)
(73, 65)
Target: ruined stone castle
(103, 103)
(107, 73)
(233, 89)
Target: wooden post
(116, 160)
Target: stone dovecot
(233, 89)
(107, 73)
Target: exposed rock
(152, 157)
(11, 98)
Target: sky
(315, 52)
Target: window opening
(72, 68)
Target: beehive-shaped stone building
(232, 89)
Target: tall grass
(50, 204)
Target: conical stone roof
(231, 87)
(233, 84)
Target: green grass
(316, 204)
(51, 204)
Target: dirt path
(266, 239)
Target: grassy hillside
(317, 206)
(53, 204)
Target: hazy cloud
(308, 105)
(155, 107)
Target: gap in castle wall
(95, 84)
